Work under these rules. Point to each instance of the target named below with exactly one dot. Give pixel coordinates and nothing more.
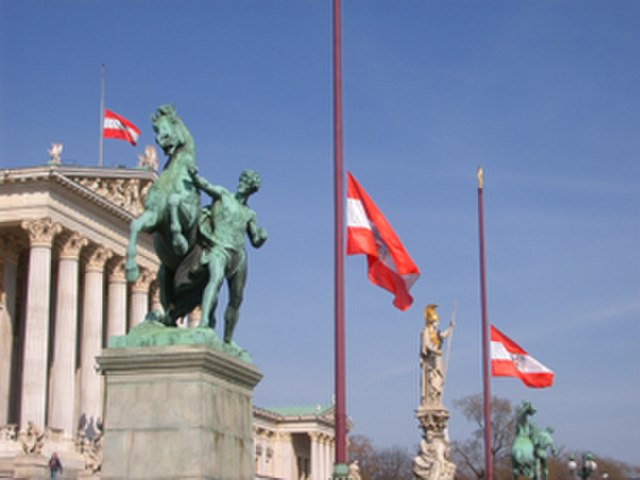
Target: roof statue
(54, 153)
(149, 159)
(198, 247)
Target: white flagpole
(101, 144)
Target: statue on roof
(55, 154)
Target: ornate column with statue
(433, 461)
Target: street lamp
(588, 467)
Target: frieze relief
(127, 193)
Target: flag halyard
(369, 233)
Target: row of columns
(62, 381)
(322, 448)
(276, 455)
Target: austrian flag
(119, 127)
(369, 233)
(508, 359)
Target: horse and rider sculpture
(530, 446)
(198, 247)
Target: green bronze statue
(171, 210)
(522, 459)
(530, 446)
(198, 247)
(542, 442)
(222, 227)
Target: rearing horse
(171, 209)
(523, 461)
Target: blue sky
(545, 95)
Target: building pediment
(117, 189)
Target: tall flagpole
(340, 470)
(485, 337)
(101, 144)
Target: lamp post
(584, 471)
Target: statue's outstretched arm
(214, 191)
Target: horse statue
(542, 441)
(523, 461)
(171, 211)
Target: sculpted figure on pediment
(125, 193)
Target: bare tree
(469, 454)
(392, 463)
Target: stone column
(324, 446)
(315, 456)
(330, 456)
(63, 368)
(154, 294)
(117, 297)
(36, 339)
(140, 298)
(283, 458)
(8, 279)
(92, 325)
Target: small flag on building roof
(120, 128)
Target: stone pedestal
(31, 467)
(433, 461)
(177, 412)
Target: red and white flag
(369, 233)
(119, 127)
(508, 359)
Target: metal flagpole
(485, 337)
(340, 470)
(101, 144)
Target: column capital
(283, 436)
(116, 270)
(41, 231)
(142, 283)
(97, 259)
(71, 244)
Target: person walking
(55, 466)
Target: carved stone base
(433, 461)
(31, 467)
(177, 412)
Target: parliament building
(63, 235)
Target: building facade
(294, 442)
(64, 231)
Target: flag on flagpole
(115, 126)
(369, 233)
(508, 359)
